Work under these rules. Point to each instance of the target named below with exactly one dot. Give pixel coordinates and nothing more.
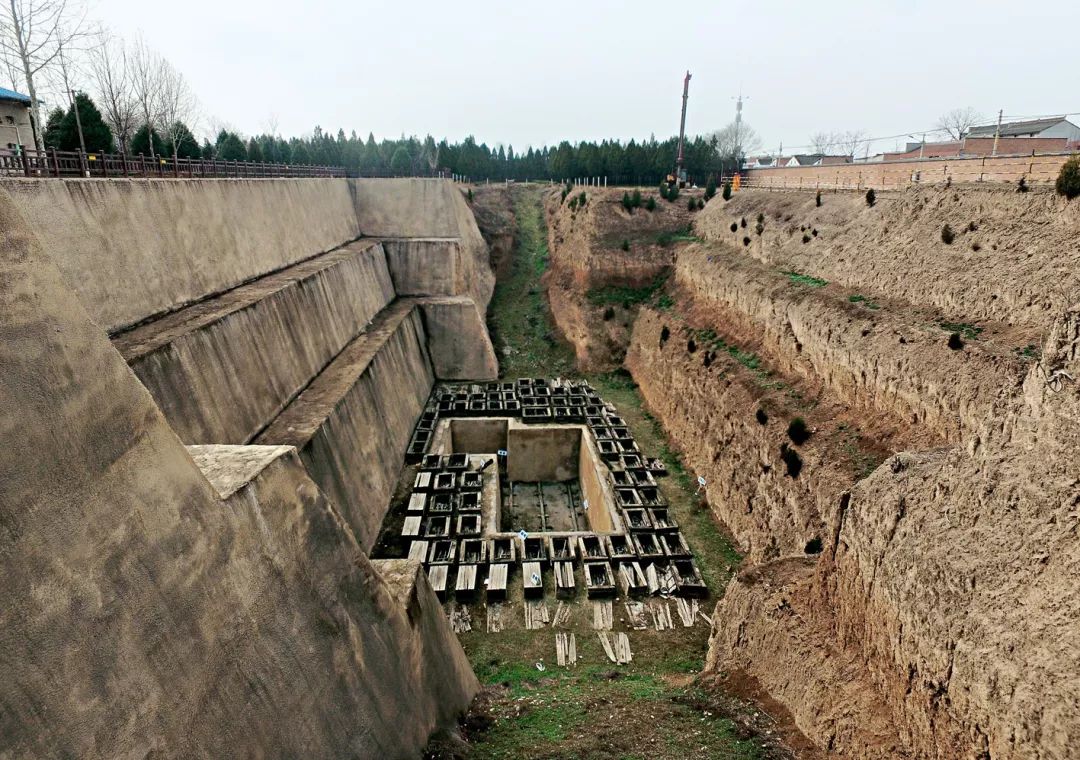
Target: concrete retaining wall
(428, 208)
(141, 614)
(222, 369)
(135, 248)
(352, 424)
(458, 342)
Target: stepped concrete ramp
(223, 368)
(424, 209)
(149, 610)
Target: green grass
(864, 301)
(967, 330)
(564, 713)
(680, 235)
(627, 297)
(518, 316)
(804, 279)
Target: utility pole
(78, 121)
(997, 133)
(680, 172)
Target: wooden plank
(437, 576)
(635, 616)
(494, 618)
(602, 614)
(621, 645)
(418, 550)
(607, 646)
(417, 503)
(497, 580)
(532, 578)
(566, 649)
(466, 579)
(411, 526)
(562, 614)
(564, 578)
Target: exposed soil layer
(494, 212)
(606, 260)
(908, 586)
(654, 706)
(1015, 257)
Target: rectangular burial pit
(599, 580)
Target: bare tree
(822, 142)
(111, 75)
(736, 140)
(849, 142)
(958, 121)
(147, 80)
(178, 105)
(33, 34)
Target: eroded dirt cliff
(909, 588)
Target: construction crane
(680, 170)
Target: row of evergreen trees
(641, 163)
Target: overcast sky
(533, 73)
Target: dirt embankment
(908, 589)
(494, 211)
(1014, 257)
(605, 261)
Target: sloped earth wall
(920, 607)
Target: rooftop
(1015, 127)
(18, 97)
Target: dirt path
(651, 707)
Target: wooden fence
(74, 163)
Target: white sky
(532, 73)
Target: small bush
(581, 199)
(734, 226)
(813, 546)
(746, 241)
(797, 431)
(759, 228)
(691, 205)
(627, 203)
(972, 226)
(469, 195)
(871, 197)
(673, 194)
(665, 333)
(625, 245)
(817, 199)
(573, 203)
(761, 219)
(691, 346)
(814, 232)
(650, 204)
(701, 204)
(805, 239)
(742, 223)
(792, 460)
(726, 194)
(761, 417)
(1068, 181)
(635, 198)
(663, 190)
(710, 188)
(609, 313)
(1022, 186)
(955, 342)
(947, 235)
(976, 247)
